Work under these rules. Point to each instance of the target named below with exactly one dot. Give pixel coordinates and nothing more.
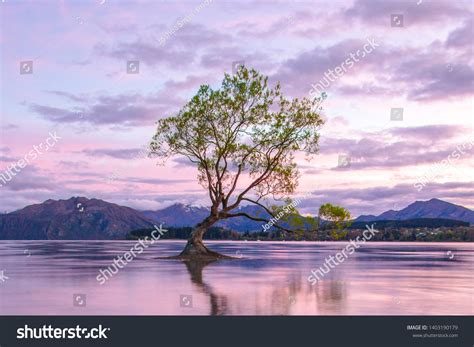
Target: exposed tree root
(195, 250)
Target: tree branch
(243, 214)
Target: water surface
(270, 278)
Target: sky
(92, 77)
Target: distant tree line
(387, 232)
(412, 223)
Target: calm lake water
(270, 278)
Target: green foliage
(338, 217)
(338, 235)
(246, 128)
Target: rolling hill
(77, 218)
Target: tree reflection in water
(218, 302)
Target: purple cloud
(397, 147)
(179, 50)
(378, 12)
(128, 153)
(461, 37)
(433, 81)
(128, 110)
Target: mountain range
(180, 215)
(434, 208)
(83, 218)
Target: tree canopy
(246, 133)
(337, 217)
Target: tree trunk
(195, 248)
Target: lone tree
(243, 138)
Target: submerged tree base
(195, 250)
